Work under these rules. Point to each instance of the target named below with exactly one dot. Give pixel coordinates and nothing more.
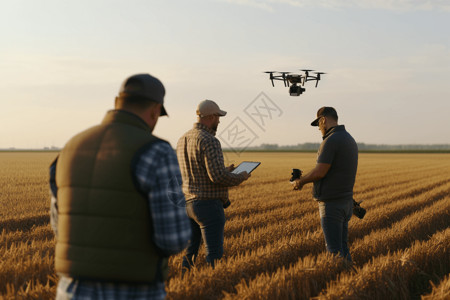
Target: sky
(387, 65)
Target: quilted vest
(104, 223)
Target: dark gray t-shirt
(340, 150)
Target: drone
(297, 80)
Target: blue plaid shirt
(158, 176)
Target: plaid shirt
(202, 166)
(158, 176)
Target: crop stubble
(274, 246)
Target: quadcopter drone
(295, 79)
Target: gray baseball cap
(145, 86)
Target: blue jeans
(334, 217)
(207, 221)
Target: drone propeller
(280, 76)
(271, 76)
(305, 78)
(318, 77)
(283, 75)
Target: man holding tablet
(205, 183)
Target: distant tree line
(308, 147)
(363, 146)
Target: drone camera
(296, 90)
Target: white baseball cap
(209, 107)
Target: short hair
(328, 111)
(134, 102)
(333, 116)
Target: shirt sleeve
(215, 165)
(158, 176)
(327, 152)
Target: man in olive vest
(114, 189)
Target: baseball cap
(322, 112)
(209, 107)
(145, 86)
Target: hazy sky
(388, 65)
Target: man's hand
(225, 205)
(230, 168)
(315, 174)
(245, 175)
(297, 184)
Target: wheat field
(274, 247)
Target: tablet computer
(247, 166)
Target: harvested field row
(401, 275)
(441, 290)
(274, 246)
(390, 274)
(282, 252)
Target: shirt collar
(204, 127)
(333, 129)
(123, 116)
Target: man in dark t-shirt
(333, 178)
